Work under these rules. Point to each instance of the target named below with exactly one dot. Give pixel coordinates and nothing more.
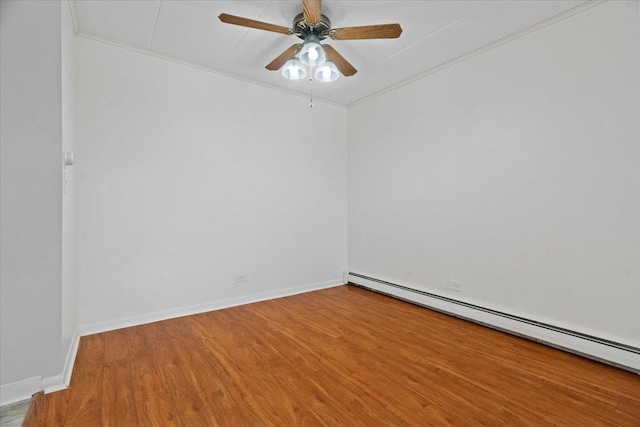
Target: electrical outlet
(455, 285)
(242, 277)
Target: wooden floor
(337, 357)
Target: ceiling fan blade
(252, 23)
(283, 57)
(343, 65)
(385, 31)
(312, 10)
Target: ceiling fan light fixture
(327, 72)
(293, 70)
(312, 53)
(313, 26)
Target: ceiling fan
(312, 27)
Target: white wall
(186, 178)
(69, 289)
(516, 172)
(31, 195)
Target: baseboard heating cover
(604, 350)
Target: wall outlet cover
(455, 285)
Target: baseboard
(71, 360)
(19, 390)
(61, 381)
(54, 383)
(620, 357)
(22, 390)
(157, 316)
(345, 276)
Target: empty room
(320, 213)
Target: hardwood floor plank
(357, 406)
(118, 401)
(84, 404)
(116, 344)
(152, 400)
(190, 408)
(342, 356)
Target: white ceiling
(434, 32)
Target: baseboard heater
(615, 353)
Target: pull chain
(310, 87)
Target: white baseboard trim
(61, 381)
(23, 390)
(591, 349)
(157, 316)
(54, 383)
(71, 360)
(19, 390)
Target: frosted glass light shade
(327, 72)
(312, 54)
(294, 70)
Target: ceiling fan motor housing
(305, 30)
